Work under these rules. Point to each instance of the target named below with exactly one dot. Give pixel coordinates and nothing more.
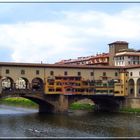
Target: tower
(114, 48)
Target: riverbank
(22, 102)
(82, 105)
(130, 110)
(18, 102)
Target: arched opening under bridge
(37, 84)
(29, 101)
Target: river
(21, 122)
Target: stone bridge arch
(107, 103)
(37, 84)
(22, 83)
(60, 103)
(45, 105)
(7, 83)
(102, 102)
(77, 98)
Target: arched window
(7, 83)
(37, 84)
(22, 83)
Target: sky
(50, 32)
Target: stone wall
(131, 103)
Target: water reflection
(31, 124)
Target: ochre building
(70, 79)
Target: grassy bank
(130, 110)
(19, 102)
(81, 106)
(22, 102)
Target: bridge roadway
(59, 103)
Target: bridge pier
(131, 102)
(58, 104)
(61, 106)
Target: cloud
(37, 41)
(76, 34)
(124, 24)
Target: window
(51, 90)
(22, 71)
(65, 73)
(131, 73)
(92, 74)
(7, 71)
(116, 74)
(51, 73)
(37, 72)
(58, 90)
(104, 73)
(79, 73)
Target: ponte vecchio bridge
(54, 87)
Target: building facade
(119, 55)
(99, 59)
(63, 79)
(114, 48)
(127, 58)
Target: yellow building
(120, 87)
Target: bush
(76, 106)
(18, 101)
(131, 110)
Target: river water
(20, 122)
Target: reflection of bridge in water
(55, 87)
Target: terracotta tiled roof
(55, 65)
(84, 58)
(132, 66)
(128, 54)
(118, 42)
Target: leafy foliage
(18, 101)
(76, 106)
(130, 110)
